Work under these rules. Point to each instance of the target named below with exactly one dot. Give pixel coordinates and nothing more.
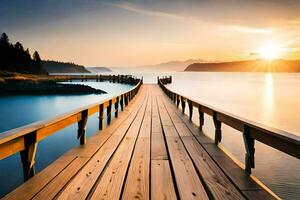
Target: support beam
(81, 133)
(190, 103)
(122, 102)
(101, 116)
(117, 107)
(201, 118)
(178, 101)
(28, 156)
(108, 112)
(250, 150)
(182, 104)
(218, 132)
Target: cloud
(252, 30)
(141, 10)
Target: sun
(270, 51)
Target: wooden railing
(128, 79)
(280, 140)
(25, 139)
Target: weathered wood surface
(151, 151)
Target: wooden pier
(149, 151)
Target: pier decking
(151, 151)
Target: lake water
(269, 99)
(21, 110)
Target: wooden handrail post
(201, 118)
(28, 156)
(190, 103)
(178, 100)
(117, 107)
(108, 112)
(101, 116)
(250, 150)
(218, 132)
(122, 102)
(126, 99)
(81, 133)
(182, 104)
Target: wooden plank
(52, 188)
(170, 131)
(187, 180)
(182, 129)
(219, 185)
(137, 182)
(81, 185)
(162, 186)
(110, 184)
(83, 182)
(145, 130)
(158, 148)
(35, 184)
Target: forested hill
(15, 58)
(63, 67)
(247, 66)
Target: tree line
(14, 58)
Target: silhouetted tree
(14, 58)
(4, 38)
(37, 64)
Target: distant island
(247, 66)
(99, 69)
(63, 67)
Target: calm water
(270, 99)
(20, 110)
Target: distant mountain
(171, 65)
(247, 66)
(63, 67)
(99, 69)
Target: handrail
(278, 139)
(25, 139)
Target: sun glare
(270, 51)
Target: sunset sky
(131, 33)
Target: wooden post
(218, 132)
(28, 156)
(122, 102)
(108, 112)
(126, 99)
(81, 133)
(182, 104)
(117, 107)
(201, 118)
(101, 116)
(250, 150)
(178, 101)
(190, 109)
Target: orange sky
(101, 33)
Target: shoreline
(28, 84)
